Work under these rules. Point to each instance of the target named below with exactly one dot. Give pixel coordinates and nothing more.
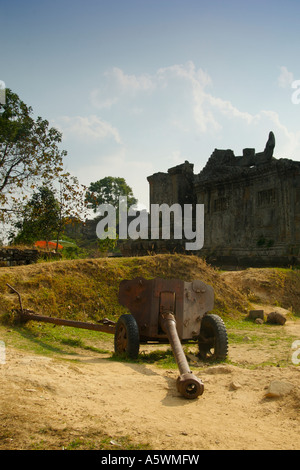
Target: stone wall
(18, 257)
(251, 203)
(252, 216)
(174, 186)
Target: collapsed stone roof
(224, 165)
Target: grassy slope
(88, 289)
(274, 286)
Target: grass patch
(266, 340)
(161, 358)
(51, 438)
(46, 339)
(237, 329)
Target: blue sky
(138, 86)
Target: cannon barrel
(187, 383)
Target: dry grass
(274, 286)
(88, 289)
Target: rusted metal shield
(142, 297)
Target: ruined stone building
(251, 203)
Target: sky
(139, 86)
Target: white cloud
(195, 81)
(168, 113)
(205, 107)
(187, 71)
(131, 83)
(227, 109)
(285, 78)
(289, 143)
(87, 127)
(118, 84)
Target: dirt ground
(49, 402)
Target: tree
(44, 217)
(72, 203)
(40, 217)
(29, 151)
(107, 191)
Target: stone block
(279, 388)
(276, 318)
(254, 314)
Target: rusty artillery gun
(163, 311)
(173, 311)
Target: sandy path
(58, 400)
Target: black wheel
(213, 339)
(127, 338)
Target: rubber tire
(127, 338)
(213, 339)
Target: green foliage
(29, 152)
(49, 210)
(74, 252)
(40, 218)
(107, 191)
(107, 245)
